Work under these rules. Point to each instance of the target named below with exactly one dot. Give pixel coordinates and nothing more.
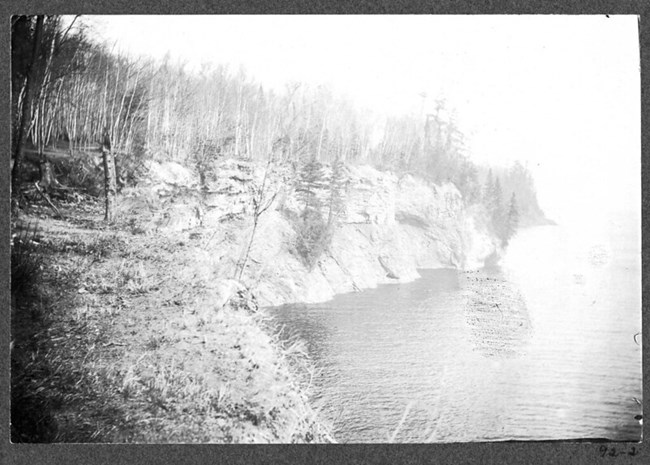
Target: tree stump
(109, 179)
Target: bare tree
(25, 114)
(262, 201)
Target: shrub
(132, 169)
(85, 171)
(313, 237)
(81, 171)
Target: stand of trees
(70, 91)
(430, 146)
(503, 218)
(321, 192)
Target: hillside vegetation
(156, 211)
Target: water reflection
(496, 313)
(541, 348)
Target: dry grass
(116, 338)
(26, 262)
(412, 429)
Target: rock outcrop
(389, 228)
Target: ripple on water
(490, 355)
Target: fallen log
(47, 199)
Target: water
(545, 349)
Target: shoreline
(114, 339)
(162, 334)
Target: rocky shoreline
(390, 227)
(168, 346)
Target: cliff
(145, 318)
(389, 228)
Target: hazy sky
(561, 93)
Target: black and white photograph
(339, 229)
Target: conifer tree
(497, 203)
(338, 184)
(495, 208)
(313, 232)
(311, 180)
(512, 222)
(488, 190)
(497, 194)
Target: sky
(560, 93)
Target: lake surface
(423, 362)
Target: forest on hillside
(74, 99)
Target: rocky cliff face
(390, 227)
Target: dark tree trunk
(25, 115)
(118, 172)
(202, 178)
(109, 178)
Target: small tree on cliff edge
(311, 180)
(337, 187)
(496, 206)
(492, 201)
(262, 198)
(313, 231)
(512, 220)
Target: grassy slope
(116, 339)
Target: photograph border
(580, 452)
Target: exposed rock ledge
(391, 227)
